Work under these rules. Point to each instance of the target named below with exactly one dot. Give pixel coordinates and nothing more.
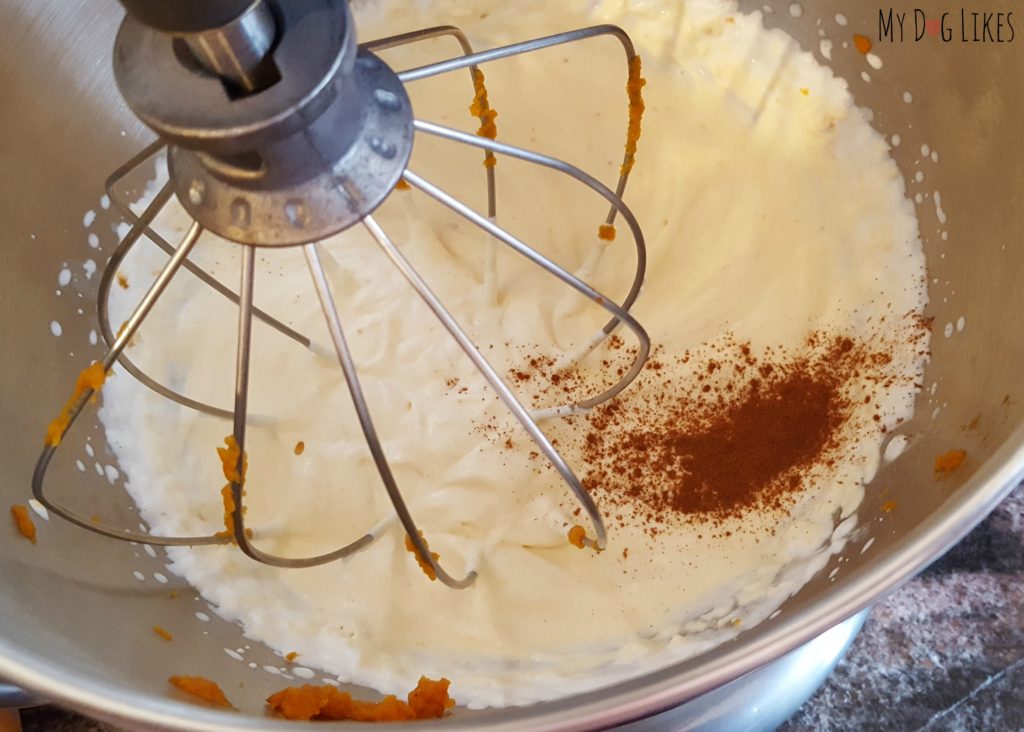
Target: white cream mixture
(771, 209)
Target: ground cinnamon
(718, 433)
(739, 436)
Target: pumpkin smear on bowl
(429, 700)
(202, 688)
(23, 522)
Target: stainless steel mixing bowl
(75, 624)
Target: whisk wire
(473, 60)
(241, 408)
(133, 323)
(103, 308)
(192, 268)
(614, 199)
(158, 145)
(143, 225)
(392, 119)
(243, 359)
(644, 341)
(493, 379)
(515, 49)
(348, 366)
(381, 44)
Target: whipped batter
(771, 210)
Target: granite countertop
(945, 652)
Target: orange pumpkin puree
(481, 109)
(577, 534)
(90, 378)
(162, 633)
(229, 455)
(429, 700)
(634, 91)
(201, 688)
(23, 521)
(425, 566)
(947, 462)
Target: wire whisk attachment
(262, 149)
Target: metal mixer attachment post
(280, 131)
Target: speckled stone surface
(944, 653)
